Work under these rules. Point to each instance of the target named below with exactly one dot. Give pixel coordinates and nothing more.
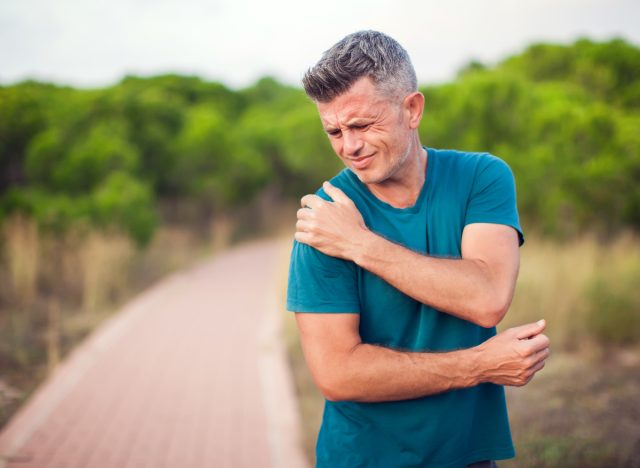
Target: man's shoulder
(468, 166)
(462, 159)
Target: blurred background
(137, 137)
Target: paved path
(189, 374)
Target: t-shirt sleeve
(320, 283)
(493, 196)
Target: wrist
(475, 367)
(362, 247)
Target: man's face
(370, 132)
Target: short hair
(363, 53)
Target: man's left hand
(334, 228)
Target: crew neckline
(419, 201)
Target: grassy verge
(310, 400)
(581, 410)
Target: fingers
(537, 343)
(314, 201)
(537, 357)
(311, 201)
(538, 366)
(529, 330)
(303, 237)
(533, 346)
(544, 353)
(534, 370)
(531, 366)
(335, 193)
(304, 213)
(303, 225)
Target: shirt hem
(498, 221)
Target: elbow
(340, 379)
(332, 395)
(489, 320)
(336, 389)
(327, 388)
(341, 383)
(492, 311)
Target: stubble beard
(392, 171)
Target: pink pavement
(192, 373)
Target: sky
(92, 43)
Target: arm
(344, 368)
(477, 288)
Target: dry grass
(582, 410)
(556, 282)
(21, 249)
(104, 261)
(54, 290)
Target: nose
(352, 143)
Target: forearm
(370, 373)
(345, 368)
(465, 288)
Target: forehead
(361, 101)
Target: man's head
(365, 90)
(362, 54)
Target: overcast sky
(95, 43)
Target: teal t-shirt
(451, 429)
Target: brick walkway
(190, 374)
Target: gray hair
(363, 53)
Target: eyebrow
(355, 122)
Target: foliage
(565, 117)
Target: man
(402, 267)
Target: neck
(403, 188)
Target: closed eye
(361, 127)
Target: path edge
(284, 428)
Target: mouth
(361, 162)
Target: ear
(414, 107)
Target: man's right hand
(513, 356)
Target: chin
(368, 178)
